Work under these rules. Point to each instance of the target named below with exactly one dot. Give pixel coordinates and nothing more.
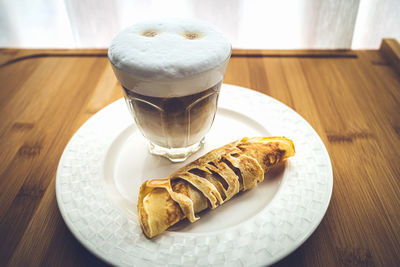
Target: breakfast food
(209, 181)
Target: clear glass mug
(175, 126)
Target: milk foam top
(169, 57)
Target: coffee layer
(174, 122)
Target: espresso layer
(177, 121)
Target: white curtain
(260, 24)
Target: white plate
(106, 161)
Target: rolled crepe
(209, 181)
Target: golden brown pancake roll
(209, 181)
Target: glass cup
(174, 126)
(175, 123)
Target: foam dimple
(168, 49)
(192, 35)
(150, 33)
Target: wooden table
(351, 98)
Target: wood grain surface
(351, 98)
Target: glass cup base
(175, 154)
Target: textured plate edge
(89, 247)
(330, 172)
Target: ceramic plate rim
(236, 91)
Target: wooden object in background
(391, 50)
(351, 98)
